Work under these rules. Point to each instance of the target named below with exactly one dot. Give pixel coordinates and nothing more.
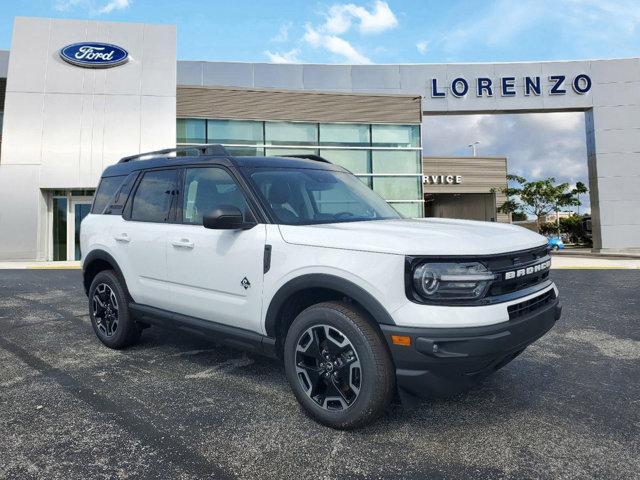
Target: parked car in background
(556, 243)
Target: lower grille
(518, 310)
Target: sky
(399, 31)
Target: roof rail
(204, 149)
(309, 156)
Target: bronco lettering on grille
(522, 272)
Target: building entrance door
(67, 212)
(80, 208)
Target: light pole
(474, 148)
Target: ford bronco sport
(298, 259)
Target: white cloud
(560, 121)
(65, 5)
(115, 5)
(578, 24)
(334, 44)
(329, 33)
(422, 46)
(292, 56)
(493, 26)
(283, 33)
(340, 17)
(91, 7)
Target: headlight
(452, 281)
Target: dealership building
(77, 95)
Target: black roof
(132, 164)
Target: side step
(225, 334)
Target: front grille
(513, 262)
(518, 310)
(502, 287)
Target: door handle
(123, 237)
(183, 243)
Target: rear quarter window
(105, 192)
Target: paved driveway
(177, 406)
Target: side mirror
(226, 218)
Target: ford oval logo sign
(94, 55)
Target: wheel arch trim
(101, 255)
(328, 282)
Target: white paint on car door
(215, 274)
(141, 240)
(207, 269)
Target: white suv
(298, 259)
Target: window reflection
(234, 132)
(344, 134)
(191, 131)
(290, 133)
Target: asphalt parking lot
(178, 406)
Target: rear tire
(109, 312)
(338, 365)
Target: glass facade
(396, 161)
(356, 161)
(191, 131)
(233, 131)
(386, 157)
(344, 134)
(395, 135)
(290, 133)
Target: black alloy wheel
(338, 365)
(328, 367)
(109, 311)
(105, 309)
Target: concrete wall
(64, 124)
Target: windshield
(304, 196)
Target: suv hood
(428, 236)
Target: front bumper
(445, 361)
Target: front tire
(338, 365)
(109, 312)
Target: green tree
(573, 227)
(541, 197)
(518, 216)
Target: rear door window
(154, 196)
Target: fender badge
(245, 283)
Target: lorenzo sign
(506, 86)
(94, 55)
